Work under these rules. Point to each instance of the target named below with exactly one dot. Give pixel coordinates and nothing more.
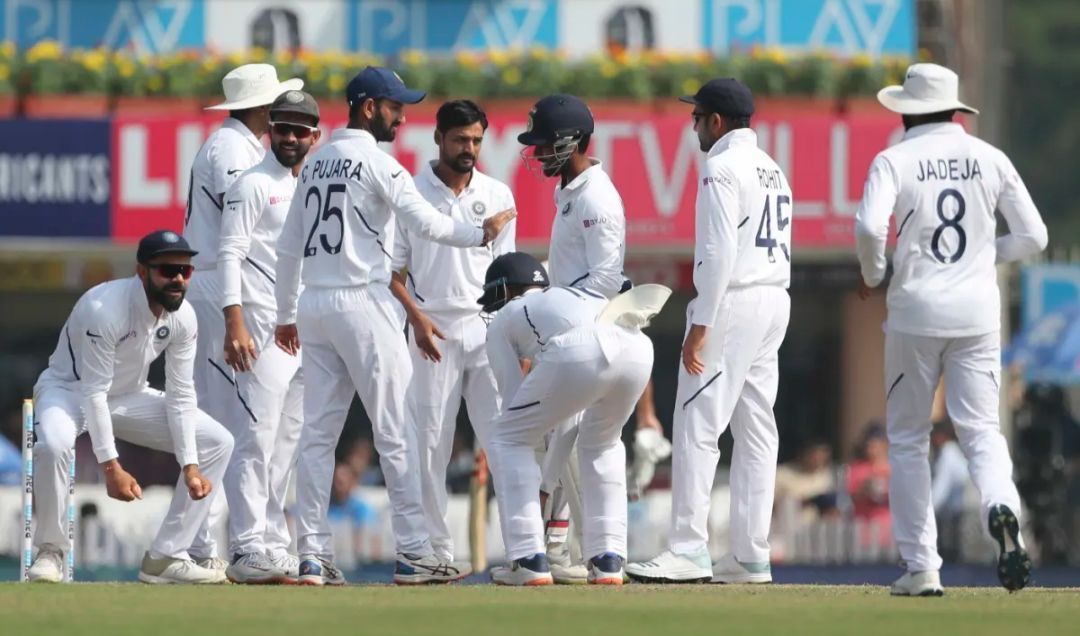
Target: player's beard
(298, 151)
(383, 130)
(462, 163)
(161, 296)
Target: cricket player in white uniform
(943, 187)
(439, 292)
(338, 236)
(96, 382)
(268, 379)
(578, 365)
(588, 244)
(229, 151)
(735, 325)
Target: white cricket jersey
(106, 347)
(943, 186)
(340, 228)
(444, 278)
(523, 326)
(588, 235)
(742, 223)
(229, 151)
(255, 209)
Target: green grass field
(118, 609)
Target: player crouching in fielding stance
(96, 381)
(944, 185)
(579, 364)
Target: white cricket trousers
(353, 341)
(265, 452)
(433, 399)
(971, 367)
(215, 390)
(738, 387)
(601, 370)
(139, 418)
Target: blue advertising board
(156, 26)
(55, 178)
(873, 27)
(385, 28)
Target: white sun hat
(253, 85)
(928, 88)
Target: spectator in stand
(868, 486)
(948, 487)
(350, 511)
(809, 482)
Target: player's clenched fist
(119, 484)
(287, 339)
(198, 486)
(494, 224)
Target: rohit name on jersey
(334, 169)
(949, 169)
(770, 179)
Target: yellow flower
(316, 72)
(96, 60)
(7, 49)
(235, 58)
(539, 53)
(412, 57)
(499, 57)
(155, 83)
(468, 59)
(336, 82)
(283, 58)
(125, 67)
(5, 73)
(608, 69)
(258, 54)
(862, 60)
(690, 86)
(511, 76)
(44, 50)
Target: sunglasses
(172, 271)
(300, 131)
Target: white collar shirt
(742, 223)
(448, 279)
(339, 232)
(106, 347)
(943, 186)
(229, 151)
(588, 234)
(255, 209)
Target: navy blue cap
(724, 96)
(162, 242)
(512, 268)
(555, 117)
(376, 82)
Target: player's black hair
(458, 113)
(944, 116)
(735, 123)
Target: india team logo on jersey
(478, 208)
(162, 333)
